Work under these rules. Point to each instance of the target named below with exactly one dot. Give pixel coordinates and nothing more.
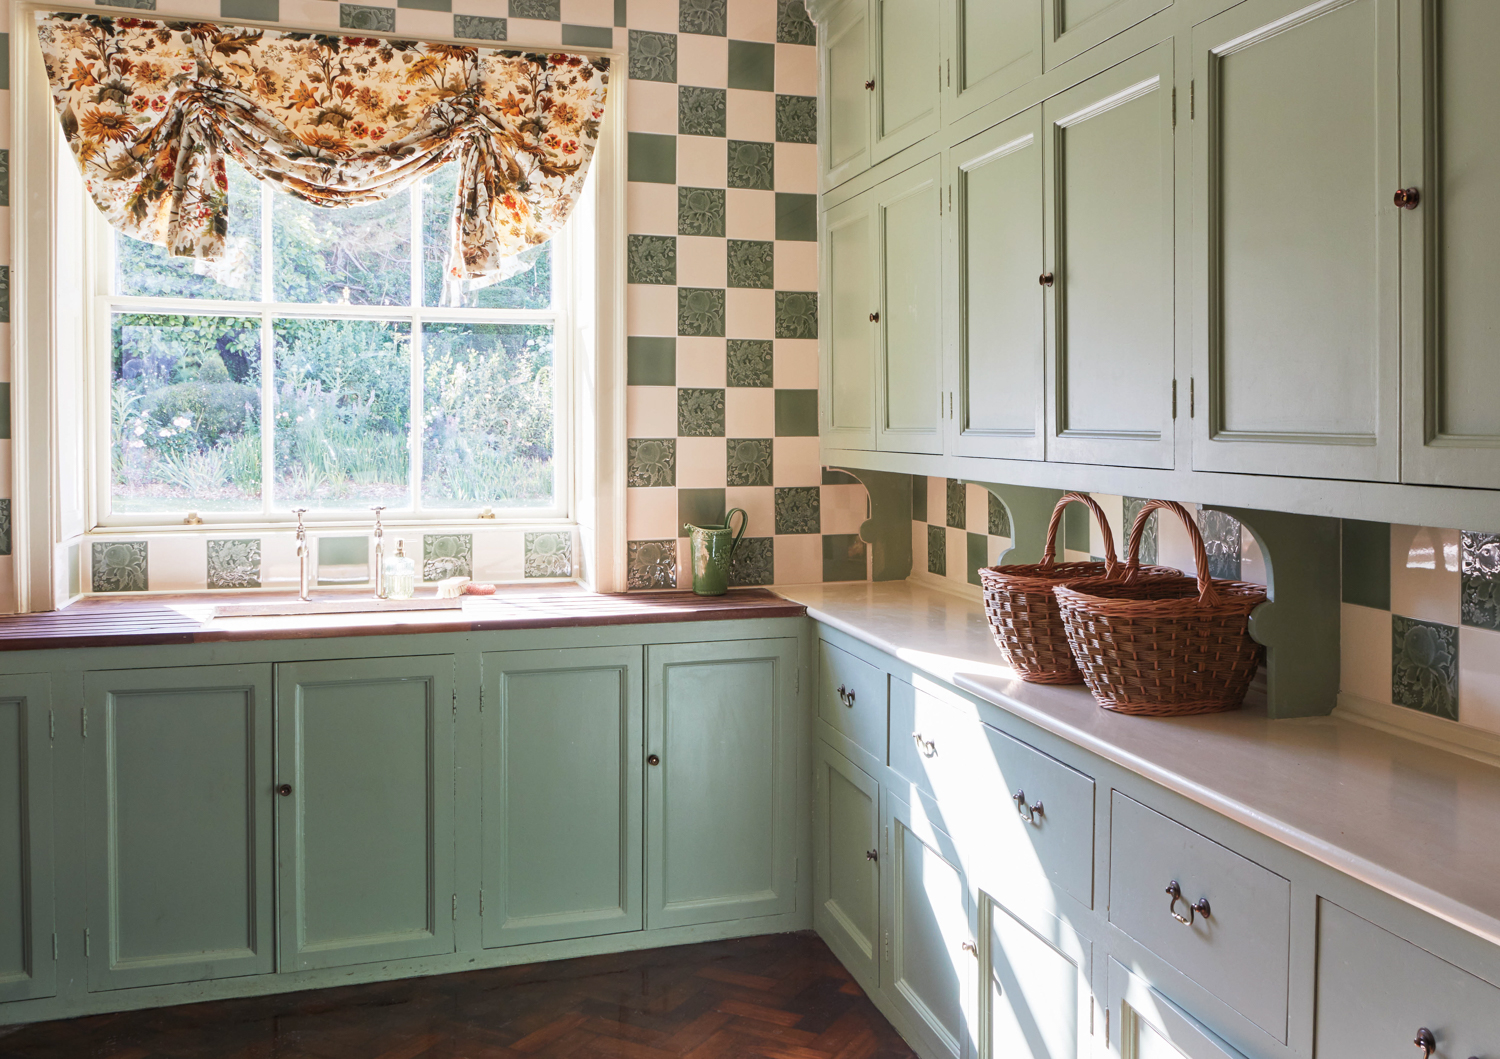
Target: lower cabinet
(562, 734)
(846, 860)
(1144, 1024)
(1036, 1001)
(27, 966)
(365, 813)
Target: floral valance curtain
(152, 109)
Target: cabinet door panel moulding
(844, 136)
(28, 965)
(1074, 26)
(908, 219)
(906, 67)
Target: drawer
(1239, 950)
(1376, 992)
(928, 744)
(852, 698)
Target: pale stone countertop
(1418, 822)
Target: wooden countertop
(189, 618)
(1376, 806)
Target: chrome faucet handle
(301, 529)
(380, 589)
(303, 555)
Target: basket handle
(1207, 595)
(1049, 557)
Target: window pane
(147, 270)
(487, 422)
(355, 256)
(530, 289)
(185, 413)
(342, 412)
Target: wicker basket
(1163, 647)
(1022, 609)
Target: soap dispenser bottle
(400, 574)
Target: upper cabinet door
(1450, 317)
(995, 305)
(27, 968)
(1074, 26)
(1297, 330)
(907, 74)
(850, 324)
(845, 139)
(1108, 162)
(993, 47)
(910, 343)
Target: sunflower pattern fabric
(152, 110)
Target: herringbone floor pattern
(781, 996)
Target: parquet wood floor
(780, 996)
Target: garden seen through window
(325, 363)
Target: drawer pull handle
(870, 854)
(926, 746)
(1029, 813)
(1197, 908)
(1425, 1041)
(846, 696)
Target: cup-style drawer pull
(1425, 1041)
(926, 746)
(1029, 813)
(846, 696)
(1197, 908)
(870, 854)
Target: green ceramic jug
(712, 549)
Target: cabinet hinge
(940, 77)
(88, 949)
(455, 702)
(797, 682)
(1192, 397)
(54, 946)
(1174, 398)
(888, 945)
(51, 723)
(85, 714)
(796, 871)
(1174, 107)
(1192, 100)
(481, 904)
(455, 906)
(949, 72)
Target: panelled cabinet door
(1298, 275)
(27, 969)
(907, 71)
(178, 784)
(365, 827)
(1074, 26)
(1037, 1000)
(845, 140)
(929, 962)
(562, 793)
(993, 47)
(1450, 315)
(721, 723)
(1144, 1024)
(1108, 162)
(995, 306)
(851, 326)
(846, 855)
(910, 360)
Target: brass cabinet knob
(870, 84)
(1407, 198)
(653, 759)
(284, 790)
(874, 318)
(1046, 279)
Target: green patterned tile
(650, 462)
(752, 65)
(751, 263)
(937, 550)
(999, 517)
(651, 259)
(651, 564)
(796, 314)
(753, 562)
(750, 361)
(653, 56)
(545, 10)
(365, 17)
(4, 177)
(548, 553)
(701, 111)
(956, 511)
(1366, 563)
(700, 312)
(650, 361)
(749, 461)
(796, 413)
(479, 27)
(700, 413)
(844, 557)
(1480, 593)
(919, 498)
(978, 546)
(1424, 666)
(709, 17)
(118, 566)
(447, 555)
(653, 158)
(1132, 507)
(234, 563)
(797, 119)
(793, 26)
(752, 165)
(5, 528)
(798, 509)
(700, 211)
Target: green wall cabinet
(907, 71)
(908, 218)
(365, 816)
(991, 47)
(179, 805)
(850, 278)
(563, 765)
(27, 966)
(1074, 26)
(846, 855)
(844, 140)
(721, 738)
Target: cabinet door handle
(874, 318)
(926, 746)
(1046, 279)
(970, 948)
(284, 790)
(1029, 813)
(870, 85)
(1425, 1041)
(1407, 198)
(1197, 908)
(653, 759)
(871, 854)
(846, 696)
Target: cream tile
(1252, 560)
(749, 313)
(701, 362)
(651, 107)
(958, 555)
(1072, 555)
(918, 547)
(195, 8)
(1365, 653)
(759, 503)
(684, 563)
(751, 115)
(589, 12)
(8, 584)
(701, 463)
(1478, 677)
(1174, 547)
(651, 411)
(996, 548)
(794, 364)
(529, 33)
(313, 14)
(650, 209)
(492, 8)
(752, 20)
(278, 559)
(799, 558)
(796, 70)
(750, 412)
(748, 214)
(796, 461)
(500, 554)
(659, 16)
(419, 23)
(976, 508)
(1114, 510)
(937, 501)
(178, 564)
(650, 514)
(701, 261)
(702, 60)
(843, 508)
(702, 161)
(796, 266)
(797, 167)
(1425, 580)
(650, 309)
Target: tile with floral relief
(549, 553)
(703, 16)
(700, 311)
(793, 26)
(752, 263)
(234, 563)
(365, 17)
(651, 259)
(701, 111)
(1480, 601)
(749, 461)
(650, 462)
(998, 522)
(546, 10)
(1149, 541)
(1221, 540)
(700, 413)
(479, 27)
(447, 555)
(5, 531)
(651, 564)
(797, 119)
(118, 566)
(956, 501)
(937, 550)
(798, 509)
(752, 165)
(753, 562)
(1424, 666)
(751, 361)
(796, 314)
(700, 211)
(653, 56)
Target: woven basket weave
(1022, 609)
(1163, 647)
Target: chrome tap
(304, 556)
(380, 587)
